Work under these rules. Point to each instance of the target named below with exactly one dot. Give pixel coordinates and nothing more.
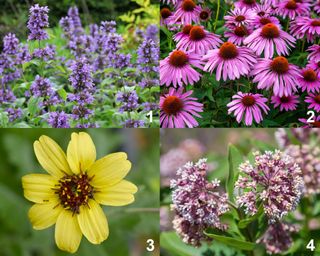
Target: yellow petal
(38, 188)
(51, 156)
(67, 233)
(116, 195)
(93, 223)
(44, 215)
(81, 152)
(109, 170)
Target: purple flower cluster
(277, 238)
(46, 53)
(130, 123)
(128, 101)
(148, 56)
(38, 21)
(42, 87)
(274, 180)
(10, 44)
(14, 114)
(58, 120)
(198, 204)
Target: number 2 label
(311, 116)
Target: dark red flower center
(188, 5)
(178, 58)
(165, 13)
(241, 31)
(186, 29)
(298, 1)
(262, 13)
(240, 18)
(317, 99)
(204, 15)
(316, 124)
(291, 5)
(270, 31)
(172, 105)
(265, 21)
(74, 191)
(280, 65)
(228, 51)
(197, 33)
(309, 75)
(249, 1)
(318, 64)
(315, 23)
(248, 100)
(285, 99)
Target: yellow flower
(71, 195)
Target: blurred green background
(14, 13)
(130, 226)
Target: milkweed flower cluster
(198, 204)
(308, 158)
(277, 238)
(75, 84)
(273, 180)
(249, 55)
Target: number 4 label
(310, 245)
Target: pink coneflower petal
(305, 26)
(177, 69)
(285, 103)
(187, 12)
(239, 17)
(310, 80)
(229, 61)
(314, 100)
(177, 109)
(268, 39)
(277, 74)
(248, 106)
(292, 8)
(314, 53)
(199, 41)
(245, 4)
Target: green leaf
(33, 105)
(173, 244)
(233, 242)
(234, 159)
(4, 120)
(244, 223)
(62, 93)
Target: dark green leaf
(234, 159)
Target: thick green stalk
(217, 16)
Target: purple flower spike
(274, 180)
(196, 202)
(38, 21)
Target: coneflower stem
(217, 16)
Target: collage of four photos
(160, 127)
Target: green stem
(302, 47)
(217, 16)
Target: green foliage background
(130, 226)
(14, 13)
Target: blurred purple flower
(47, 53)
(130, 123)
(14, 113)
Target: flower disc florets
(274, 181)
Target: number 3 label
(150, 247)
